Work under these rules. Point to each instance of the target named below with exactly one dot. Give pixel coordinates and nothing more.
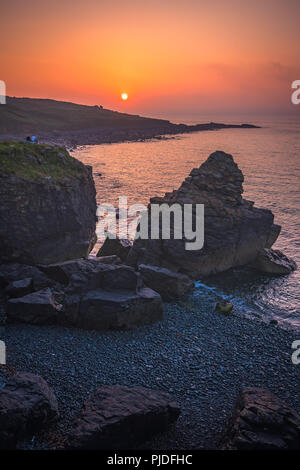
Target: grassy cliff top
(33, 116)
(36, 162)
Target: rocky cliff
(234, 230)
(47, 204)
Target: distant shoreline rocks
(110, 135)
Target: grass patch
(37, 161)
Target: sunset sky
(169, 56)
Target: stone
(261, 421)
(118, 310)
(117, 417)
(121, 277)
(225, 307)
(116, 247)
(89, 294)
(168, 284)
(27, 405)
(62, 272)
(38, 308)
(273, 262)
(234, 229)
(19, 288)
(89, 274)
(274, 234)
(47, 205)
(15, 272)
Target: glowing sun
(124, 96)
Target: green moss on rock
(37, 161)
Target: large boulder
(38, 308)
(118, 310)
(117, 417)
(168, 284)
(27, 404)
(88, 274)
(47, 205)
(89, 294)
(273, 262)
(100, 296)
(234, 230)
(261, 421)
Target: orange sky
(169, 56)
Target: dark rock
(273, 262)
(274, 234)
(261, 421)
(16, 272)
(48, 205)
(121, 277)
(116, 247)
(96, 295)
(167, 283)
(62, 272)
(38, 308)
(27, 404)
(118, 310)
(92, 274)
(234, 230)
(20, 288)
(117, 417)
(70, 313)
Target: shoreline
(197, 355)
(73, 138)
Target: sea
(269, 158)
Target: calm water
(270, 160)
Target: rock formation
(47, 205)
(273, 262)
(27, 404)
(117, 417)
(262, 422)
(103, 296)
(14, 272)
(38, 308)
(90, 294)
(234, 230)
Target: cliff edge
(47, 204)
